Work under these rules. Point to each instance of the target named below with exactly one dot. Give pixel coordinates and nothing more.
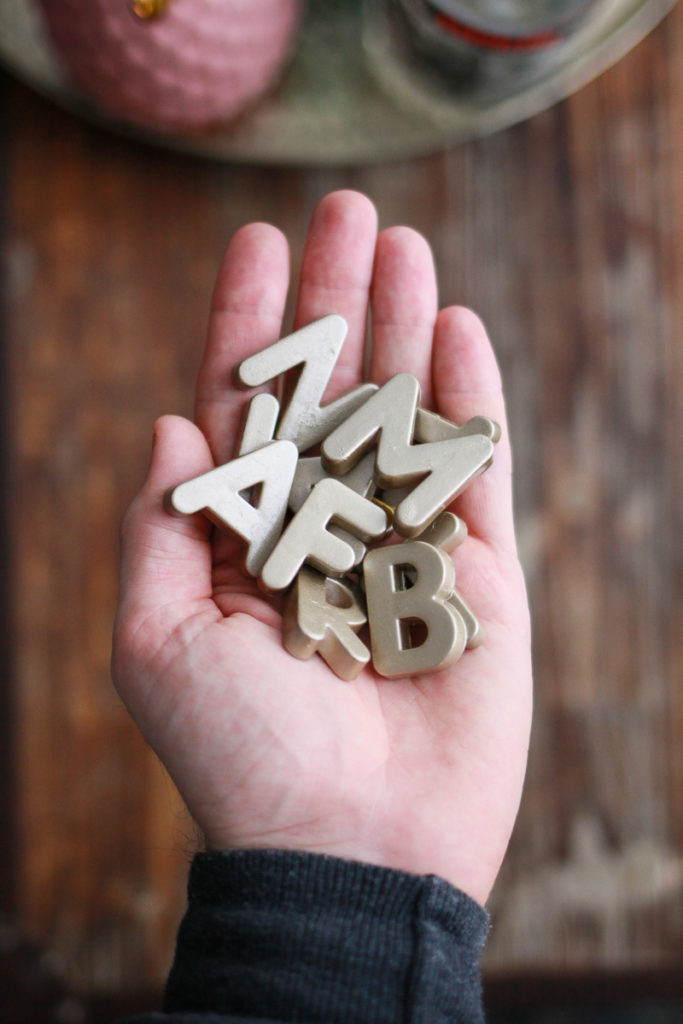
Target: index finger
(246, 316)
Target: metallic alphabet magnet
(448, 532)
(430, 427)
(324, 615)
(307, 522)
(218, 494)
(360, 479)
(438, 471)
(259, 424)
(316, 349)
(413, 628)
(307, 538)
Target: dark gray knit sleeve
(274, 936)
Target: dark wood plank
(565, 233)
(8, 848)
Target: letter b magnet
(412, 627)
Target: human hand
(421, 774)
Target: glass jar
(502, 24)
(477, 39)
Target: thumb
(166, 560)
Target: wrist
(257, 917)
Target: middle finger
(404, 308)
(336, 273)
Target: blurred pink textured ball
(198, 62)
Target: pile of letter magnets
(384, 464)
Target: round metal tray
(347, 96)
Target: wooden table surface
(566, 234)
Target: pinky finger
(467, 383)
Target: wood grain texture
(566, 235)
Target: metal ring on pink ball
(199, 62)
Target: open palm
(420, 774)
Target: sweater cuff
(292, 936)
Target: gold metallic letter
(413, 628)
(324, 615)
(307, 539)
(309, 472)
(218, 495)
(316, 348)
(259, 423)
(431, 427)
(438, 471)
(447, 532)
